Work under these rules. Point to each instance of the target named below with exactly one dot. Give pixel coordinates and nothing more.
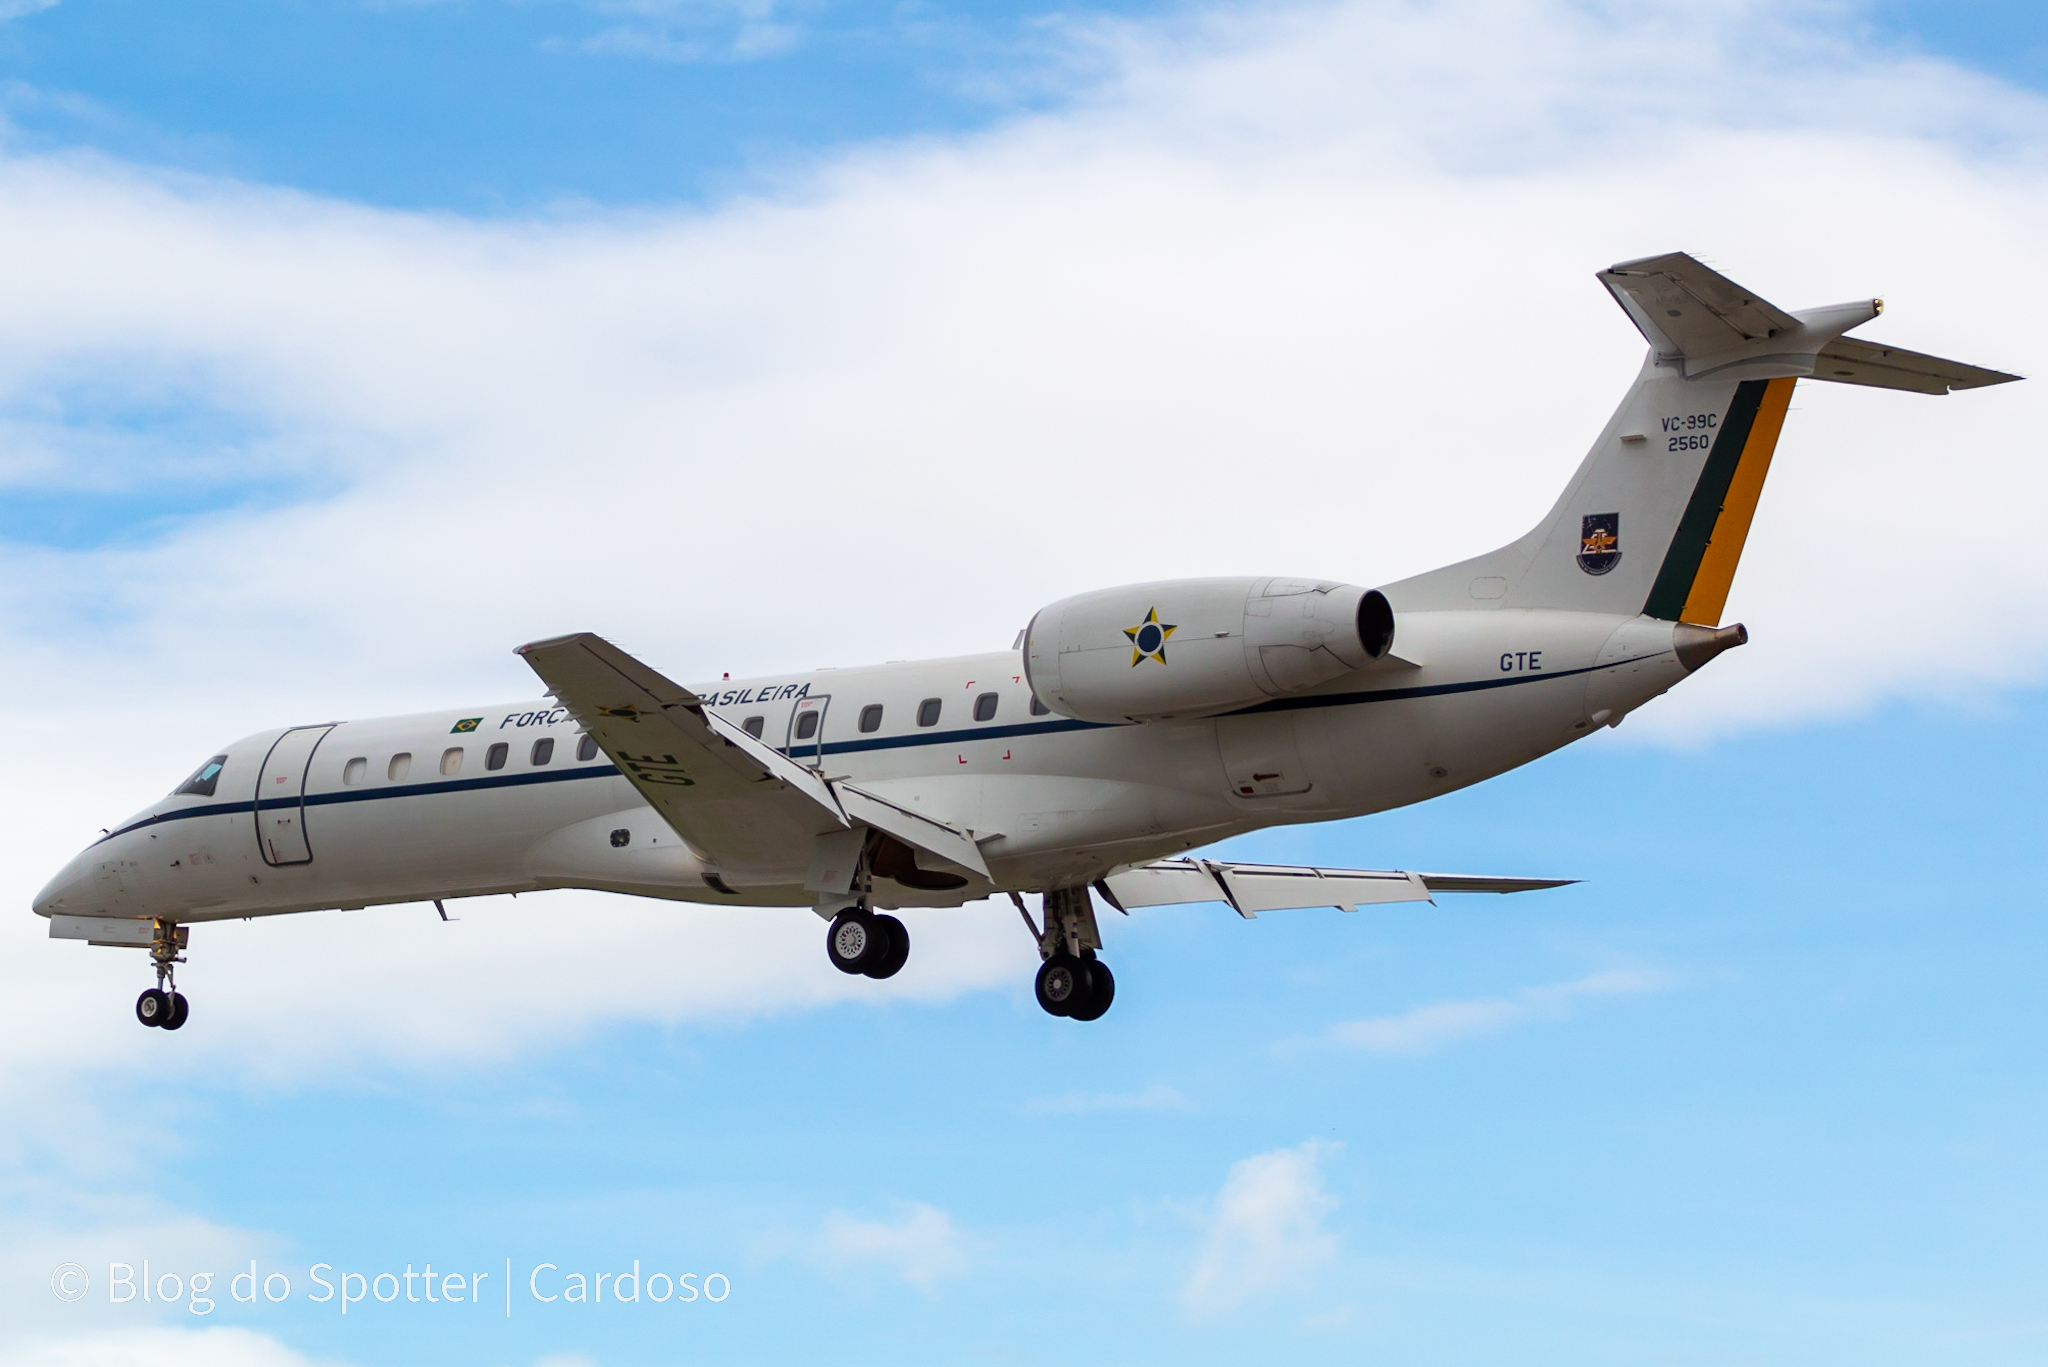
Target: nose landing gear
(163, 1005)
(1072, 982)
(166, 1010)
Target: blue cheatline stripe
(1044, 728)
(456, 785)
(1428, 691)
(915, 738)
(1276, 705)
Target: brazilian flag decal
(466, 724)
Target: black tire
(854, 941)
(1101, 992)
(180, 1011)
(153, 1007)
(890, 964)
(1062, 984)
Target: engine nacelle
(1196, 647)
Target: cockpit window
(205, 781)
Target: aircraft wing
(1249, 889)
(737, 801)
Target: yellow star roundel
(1148, 638)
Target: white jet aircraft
(1124, 728)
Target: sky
(344, 347)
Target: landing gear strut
(163, 1005)
(1072, 982)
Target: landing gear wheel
(856, 943)
(898, 952)
(1062, 984)
(1101, 992)
(180, 1009)
(154, 1007)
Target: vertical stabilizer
(1654, 521)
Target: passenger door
(807, 730)
(281, 796)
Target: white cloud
(1265, 1231)
(154, 1348)
(1157, 1097)
(1428, 1028)
(921, 1246)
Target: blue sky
(343, 347)
(478, 106)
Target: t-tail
(1654, 521)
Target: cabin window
(494, 758)
(352, 772)
(754, 726)
(400, 766)
(806, 725)
(543, 751)
(586, 748)
(202, 783)
(451, 761)
(928, 712)
(985, 707)
(1038, 709)
(871, 717)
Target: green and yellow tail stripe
(1698, 570)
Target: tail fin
(1655, 519)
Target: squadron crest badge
(1599, 542)
(1149, 637)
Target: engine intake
(1197, 647)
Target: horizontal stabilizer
(1849, 361)
(1686, 309)
(1701, 323)
(1249, 889)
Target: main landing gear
(1072, 982)
(163, 1005)
(862, 942)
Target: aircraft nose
(64, 893)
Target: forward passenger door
(281, 796)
